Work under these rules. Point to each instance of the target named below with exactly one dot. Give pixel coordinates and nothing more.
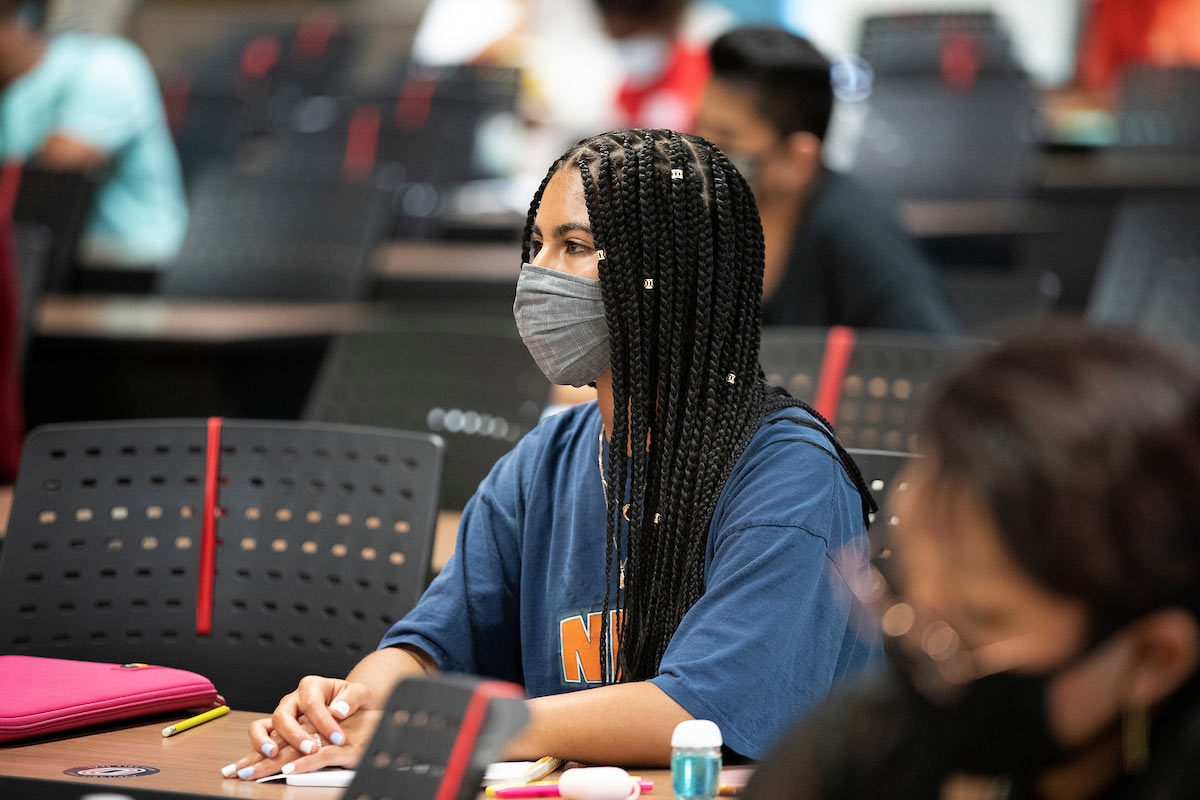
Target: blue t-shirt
(771, 635)
(101, 91)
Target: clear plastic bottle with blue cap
(696, 759)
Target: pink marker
(549, 790)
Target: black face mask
(997, 724)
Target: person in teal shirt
(76, 101)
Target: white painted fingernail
(306, 746)
(268, 749)
(228, 770)
(341, 708)
(337, 737)
(288, 769)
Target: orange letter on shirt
(580, 649)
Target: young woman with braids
(689, 570)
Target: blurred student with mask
(1046, 638)
(836, 253)
(80, 102)
(662, 47)
(586, 65)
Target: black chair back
(467, 380)
(277, 239)
(32, 244)
(874, 401)
(1158, 108)
(791, 358)
(986, 300)
(880, 469)
(60, 201)
(918, 43)
(322, 539)
(436, 738)
(886, 382)
(1150, 273)
(924, 140)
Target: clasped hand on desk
(344, 713)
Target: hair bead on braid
(670, 213)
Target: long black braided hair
(681, 279)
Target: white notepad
(322, 777)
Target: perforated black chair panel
(1150, 274)
(275, 238)
(880, 469)
(325, 535)
(791, 358)
(469, 381)
(886, 382)
(408, 756)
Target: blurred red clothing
(12, 424)
(671, 99)
(1122, 32)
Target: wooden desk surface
(187, 762)
(6, 495)
(218, 321)
(449, 261)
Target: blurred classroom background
(354, 177)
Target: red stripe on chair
(259, 57)
(175, 102)
(468, 734)
(314, 33)
(361, 143)
(412, 107)
(839, 346)
(208, 530)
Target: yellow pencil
(192, 722)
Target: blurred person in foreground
(1048, 555)
(77, 102)
(836, 253)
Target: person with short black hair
(835, 252)
(78, 102)
(1046, 637)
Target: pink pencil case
(46, 695)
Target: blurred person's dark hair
(1084, 445)
(639, 8)
(622, 18)
(787, 74)
(32, 11)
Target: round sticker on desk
(110, 771)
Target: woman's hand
(343, 714)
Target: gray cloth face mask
(561, 320)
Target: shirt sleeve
(468, 618)
(883, 278)
(773, 632)
(889, 283)
(113, 98)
